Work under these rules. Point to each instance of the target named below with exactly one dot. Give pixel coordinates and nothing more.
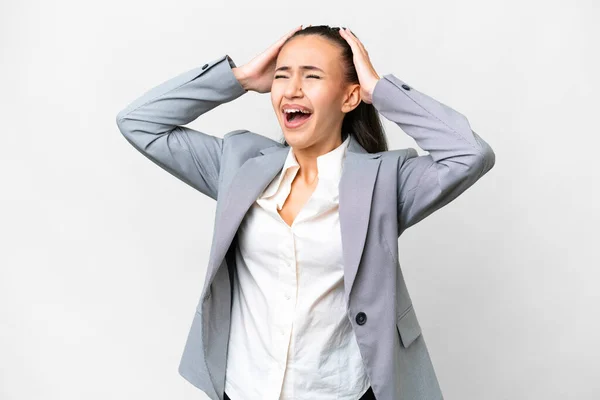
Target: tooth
(291, 110)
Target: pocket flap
(408, 326)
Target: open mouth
(296, 118)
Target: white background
(103, 254)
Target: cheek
(322, 98)
(325, 107)
(275, 101)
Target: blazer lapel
(356, 192)
(247, 184)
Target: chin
(298, 140)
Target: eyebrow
(304, 67)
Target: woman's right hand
(257, 75)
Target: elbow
(119, 119)
(485, 156)
(486, 159)
(121, 123)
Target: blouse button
(361, 318)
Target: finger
(349, 38)
(277, 45)
(359, 43)
(351, 41)
(290, 33)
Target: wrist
(241, 77)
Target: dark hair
(363, 122)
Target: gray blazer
(381, 195)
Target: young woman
(304, 296)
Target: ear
(352, 98)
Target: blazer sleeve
(457, 157)
(153, 123)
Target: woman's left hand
(367, 77)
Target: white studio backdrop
(103, 254)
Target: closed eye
(308, 76)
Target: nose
(294, 87)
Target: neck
(307, 158)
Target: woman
(304, 297)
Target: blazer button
(406, 87)
(361, 318)
(204, 66)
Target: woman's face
(320, 89)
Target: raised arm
(457, 157)
(153, 123)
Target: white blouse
(290, 333)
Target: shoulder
(253, 140)
(398, 155)
(241, 145)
